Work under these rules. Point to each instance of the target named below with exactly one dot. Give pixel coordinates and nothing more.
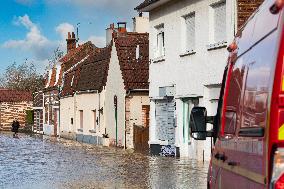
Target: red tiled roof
(67, 61)
(53, 77)
(9, 95)
(94, 70)
(71, 81)
(135, 72)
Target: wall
(141, 24)
(11, 110)
(66, 113)
(188, 73)
(245, 9)
(134, 114)
(191, 73)
(87, 102)
(115, 86)
(50, 112)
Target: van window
(259, 71)
(234, 96)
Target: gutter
(151, 6)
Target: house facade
(46, 102)
(14, 105)
(106, 94)
(188, 41)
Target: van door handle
(233, 163)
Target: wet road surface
(36, 162)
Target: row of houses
(139, 90)
(99, 95)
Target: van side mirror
(198, 120)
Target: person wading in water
(15, 128)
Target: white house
(188, 40)
(105, 95)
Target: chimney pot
(71, 42)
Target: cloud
(34, 41)
(25, 2)
(63, 29)
(98, 41)
(117, 7)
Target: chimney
(71, 42)
(121, 26)
(141, 24)
(109, 32)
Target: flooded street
(42, 162)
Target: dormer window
(137, 52)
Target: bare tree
(22, 77)
(57, 55)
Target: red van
(248, 130)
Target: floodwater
(36, 162)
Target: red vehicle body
(248, 129)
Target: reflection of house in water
(255, 104)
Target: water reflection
(40, 162)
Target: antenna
(77, 28)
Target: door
(165, 120)
(141, 133)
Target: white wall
(66, 113)
(136, 102)
(115, 86)
(189, 73)
(87, 102)
(141, 24)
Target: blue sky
(32, 29)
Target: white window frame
(81, 114)
(160, 48)
(212, 24)
(189, 45)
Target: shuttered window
(160, 41)
(190, 31)
(219, 21)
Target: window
(160, 41)
(219, 22)
(81, 119)
(137, 52)
(189, 32)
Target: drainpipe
(115, 115)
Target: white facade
(193, 71)
(115, 87)
(141, 24)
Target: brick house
(188, 41)
(46, 102)
(118, 71)
(14, 104)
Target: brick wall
(11, 110)
(245, 9)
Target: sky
(30, 30)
